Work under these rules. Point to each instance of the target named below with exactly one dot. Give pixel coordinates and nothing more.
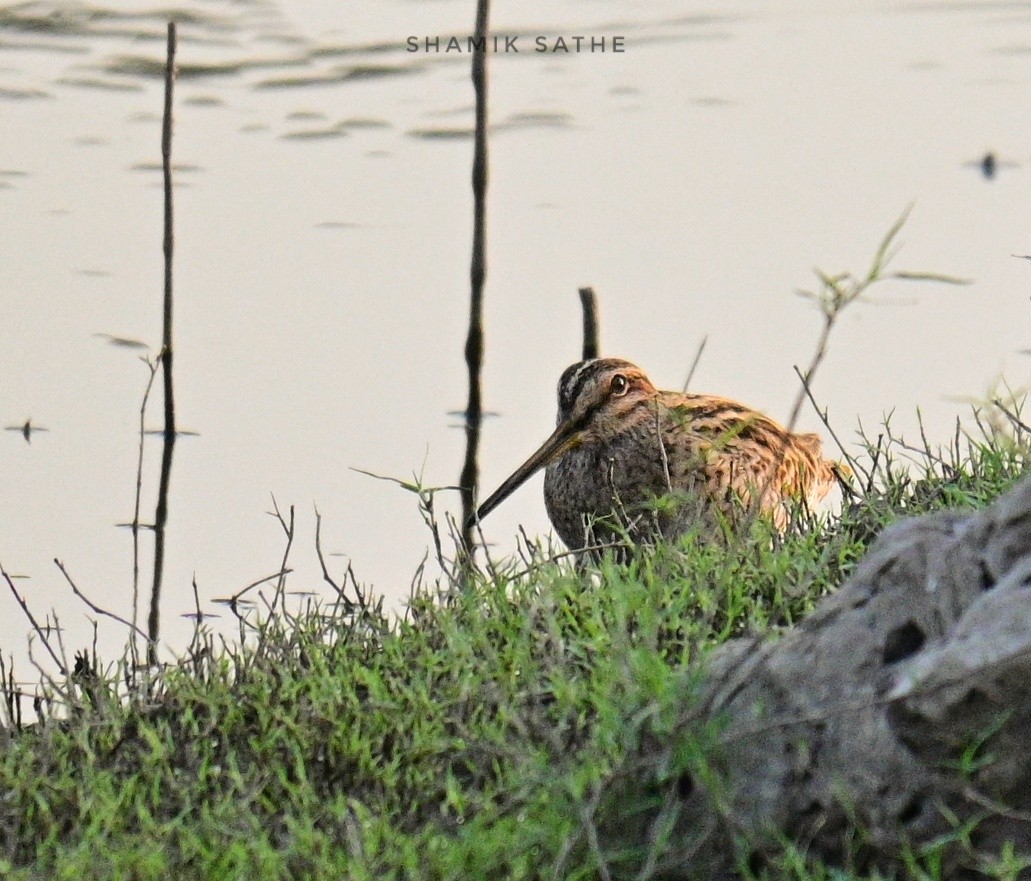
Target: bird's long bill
(563, 439)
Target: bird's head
(594, 399)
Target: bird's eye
(620, 384)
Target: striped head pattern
(595, 397)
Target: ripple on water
(59, 47)
(14, 93)
(346, 51)
(338, 224)
(316, 134)
(85, 20)
(364, 122)
(538, 119)
(445, 133)
(337, 130)
(351, 73)
(306, 116)
(148, 67)
(180, 167)
(99, 84)
(204, 101)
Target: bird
(629, 460)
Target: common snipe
(621, 443)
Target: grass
(495, 732)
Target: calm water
(323, 235)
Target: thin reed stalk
(161, 514)
(835, 294)
(43, 635)
(152, 366)
(135, 631)
(694, 364)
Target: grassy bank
(487, 735)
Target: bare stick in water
(477, 274)
(589, 302)
(161, 514)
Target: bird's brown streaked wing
(724, 421)
(740, 449)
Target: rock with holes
(900, 710)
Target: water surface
(323, 228)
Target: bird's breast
(596, 479)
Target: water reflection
(120, 341)
(27, 429)
(990, 165)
